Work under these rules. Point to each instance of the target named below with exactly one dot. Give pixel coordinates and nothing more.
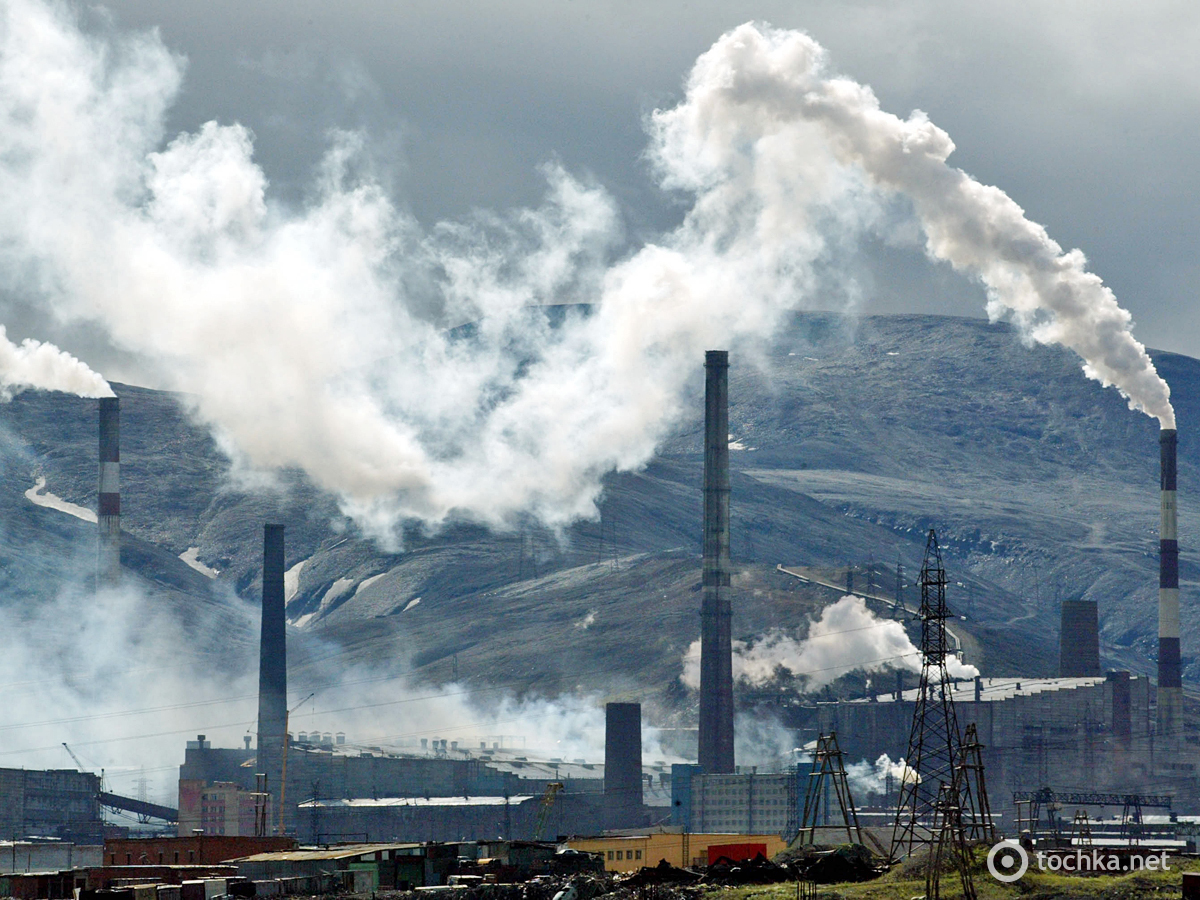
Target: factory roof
(343, 852)
(993, 689)
(372, 802)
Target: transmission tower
(934, 742)
(949, 839)
(972, 790)
(1082, 827)
(828, 772)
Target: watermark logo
(1007, 861)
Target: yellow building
(626, 853)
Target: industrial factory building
(57, 803)
(1090, 733)
(739, 802)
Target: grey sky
(1086, 113)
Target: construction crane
(80, 766)
(547, 804)
(74, 758)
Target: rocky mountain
(851, 438)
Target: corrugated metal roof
(342, 852)
(995, 689)
(368, 802)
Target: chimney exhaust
(1170, 683)
(108, 512)
(272, 666)
(716, 646)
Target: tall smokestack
(716, 646)
(623, 764)
(1170, 683)
(108, 514)
(1079, 640)
(272, 667)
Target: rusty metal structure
(828, 775)
(949, 840)
(979, 823)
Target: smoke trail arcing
(34, 364)
(763, 86)
(318, 338)
(847, 637)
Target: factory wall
(340, 775)
(52, 856)
(627, 853)
(448, 818)
(220, 808)
(740, 803)
(59, 803)
(1081, 734)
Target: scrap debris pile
(850, 862)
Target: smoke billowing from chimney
(285, 325)
(846, 637)
(36, 364)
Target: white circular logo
(1007, 861)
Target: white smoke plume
(847, 637)
(768, 89)
(872, 778)
(318, 337)
(125, 682)
(35, 364)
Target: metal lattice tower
(1082, 827)
(828, 771)
(949, 839)
(934, 742)
(972, 790)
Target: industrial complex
(987, 753)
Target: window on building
(639, 853)
(610, 854)
(191, 856)
(160, 857)
(620, 854)
(176, 857)
(128, 859)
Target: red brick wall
(204, 849)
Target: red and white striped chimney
(1170, 683)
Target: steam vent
(716, 648)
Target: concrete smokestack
(108, 513)
(716, 647)
(1170, 683)
(623, 764)
(1079, 640)
(272, 667)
